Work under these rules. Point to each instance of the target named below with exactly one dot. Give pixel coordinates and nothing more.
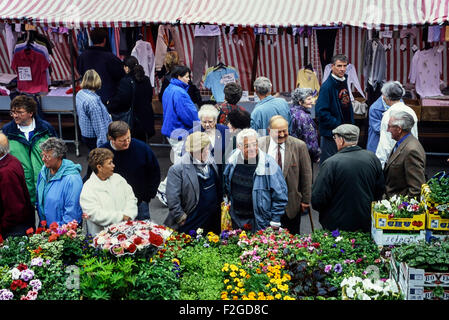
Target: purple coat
(304, 128)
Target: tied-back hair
(136, 69)
(393, 90)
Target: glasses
(19, 113)
(46, 156)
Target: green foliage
(422, 255)
(202, 278)
(14, 251)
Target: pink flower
(71, 234)
(32, 295)
(328, 268)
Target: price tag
(24, 74)
(272, 30)
(227, 78)
(386, 34)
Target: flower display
(356, 288)
(127, 238)
(22, 280)
(399, 206)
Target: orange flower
(53, 237)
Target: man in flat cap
(347, 183)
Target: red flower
(38, 250)
(54, 226)
(53, 237)
(316, 245)
(39, 230)
(44, 223)
(1, 239)
(132, 248)
(22, 267)
(247, 226)
(30, 231)
(138, 241)
(121, 237)
(359, 260)
(129, 223)
(16, 284)
(156, 239)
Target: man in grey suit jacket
(405, 169)
(296, 167)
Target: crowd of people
(261, 162)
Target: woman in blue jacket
(59, 185)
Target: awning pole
(255, 58)
(72, 67)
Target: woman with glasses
(25, 133)
(59, 185)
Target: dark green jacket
(29, 152)
(346, 185)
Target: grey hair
(402, 119)
(208, 110)
(340, 57)
(246, 133)
(262, 85)
(56, 145)
(299, 95)
(393, 90)
(4, 148)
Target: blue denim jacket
(270, 192)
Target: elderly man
(135, 161)
(16, 210)
(267, 107)
(293, 157)
(405, 168)
(386, 142)
(25, 133)
(347, 183)
(255, 185)
(392, 92)
(333, 106)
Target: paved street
(159, 212)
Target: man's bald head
(4, 145)
(278, 129)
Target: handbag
(226, 223)
(127, 116)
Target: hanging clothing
(144, 54)
(31, 69)
(205, 49)
(374, 63)
(352, 78)
(217, 79)
(168, 39)
(307, 78)
(425, 70)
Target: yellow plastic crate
(434, 221)
(382, 221)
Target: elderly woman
(92, 114)
(59, 185)
(193, 188)
(233, 94)
(303, 127)
(106, 197)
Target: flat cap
(349, 132)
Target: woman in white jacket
(106, 197)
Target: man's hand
(304, 206)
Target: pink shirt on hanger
(30, 67)
(425, 70)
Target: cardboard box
(421, 293)
(384, 238)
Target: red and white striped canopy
(95, 13)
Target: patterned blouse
(224, 109)
(304, 128)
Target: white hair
(246, 133)
(262, 85)
(208, 110)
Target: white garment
(145, 55)
(106, 202)
(208, 30)
(425, 70)
(386, 142)
(27, 129)
(11, 39)
(273, 151)
(353, 79)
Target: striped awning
(358, 13)
(92, 13)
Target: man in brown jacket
(293, 157)
(405, 169)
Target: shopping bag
(226, 223)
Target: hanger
(220, 65)
(309, 67)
